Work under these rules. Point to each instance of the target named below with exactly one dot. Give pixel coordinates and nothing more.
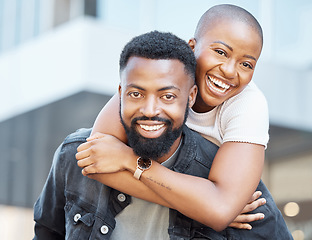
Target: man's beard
(153, 148)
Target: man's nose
(150, 107)
(229, 68)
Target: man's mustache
(144, 118)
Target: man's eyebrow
(159, 90)
(135, 86)
(229, 47)
(169, 88)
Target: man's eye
(168, 97)
(135, 94)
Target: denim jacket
(72, 206)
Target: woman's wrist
(131, 161)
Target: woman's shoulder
(245, 117)
(251, 96)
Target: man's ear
(192, 43)
(119, 90)
(192, 95)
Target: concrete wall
(80, 55)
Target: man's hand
(103, 153)
(242, 221)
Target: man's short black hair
(159, 45)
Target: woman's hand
(104, 153)
(242, 221)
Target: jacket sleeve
(49, 213)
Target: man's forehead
(158, 70)
(138, 61)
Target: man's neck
(173, 149)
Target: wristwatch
(142, 165)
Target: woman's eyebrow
(229, 47)
(223, 43)
(249, 56)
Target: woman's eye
(220, 52)
(135, 94)
(247, 65)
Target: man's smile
(151, 129)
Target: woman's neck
(200, 106)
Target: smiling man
(157, 88)
(154, 105)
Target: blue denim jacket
(72, 206)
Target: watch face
(144, 163)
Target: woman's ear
(192, 43)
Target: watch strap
(142, 165)
(138, 172)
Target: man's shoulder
(197, 143)
(195, 136)
(187, 132)
(68, 148)
(65, 156)
(78, 136)
(196, 154)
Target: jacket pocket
(83, 221)
(78, 221)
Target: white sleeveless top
(242, 118)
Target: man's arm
(49, 208)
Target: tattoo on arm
(159, 183)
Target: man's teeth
(219, 84)
(151, 127)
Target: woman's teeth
(151, 127)
(218, 84)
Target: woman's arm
(102, 159)
(108, 120)
(214, 203)
(236, 169)
(234, 176)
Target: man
(156, 90)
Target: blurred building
(59, 66)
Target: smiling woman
(240, 158)
(148, 90)
(226, 60)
